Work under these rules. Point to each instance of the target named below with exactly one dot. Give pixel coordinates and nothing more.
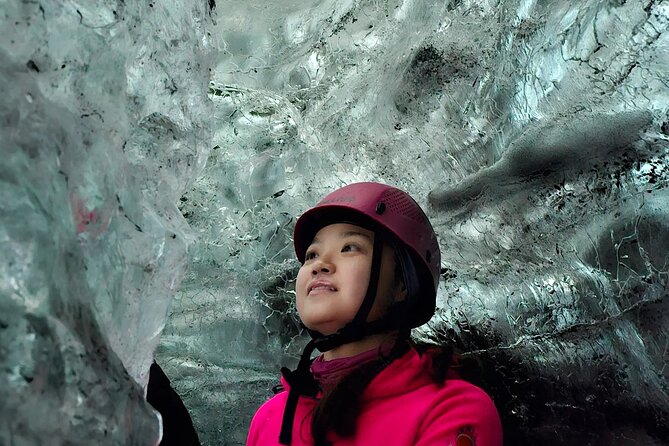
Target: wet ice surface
(97, 148)
(534, 133)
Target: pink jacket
(402, 407)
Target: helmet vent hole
(380, 208)
(400, 203)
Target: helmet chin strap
(301, 381)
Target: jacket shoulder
(461, 409)
(266, 422)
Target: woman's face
(332, 283)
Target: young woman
(370, 270)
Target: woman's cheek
(300, 291)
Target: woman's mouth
(321, 287)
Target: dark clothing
(178, 429)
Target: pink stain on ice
(91, 221)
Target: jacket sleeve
(266, 423)
(463, 415)
(259, 423)
(252, 436)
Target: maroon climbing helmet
(393, 211)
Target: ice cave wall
(535, 133)
(103, 117)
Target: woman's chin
(324, 328)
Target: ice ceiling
(148, 143)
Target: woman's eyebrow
(355, 233)
(345, 234)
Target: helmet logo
(348, 199)
(380, 208)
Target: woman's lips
(321, 287)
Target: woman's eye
(310, 255)
(350, 247)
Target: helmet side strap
(368, 302)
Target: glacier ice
(143, 144)
(102, 130)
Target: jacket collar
(406, 373)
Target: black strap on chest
(301, 382)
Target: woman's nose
(322, 265)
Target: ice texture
(535, 134)
(102, 117)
